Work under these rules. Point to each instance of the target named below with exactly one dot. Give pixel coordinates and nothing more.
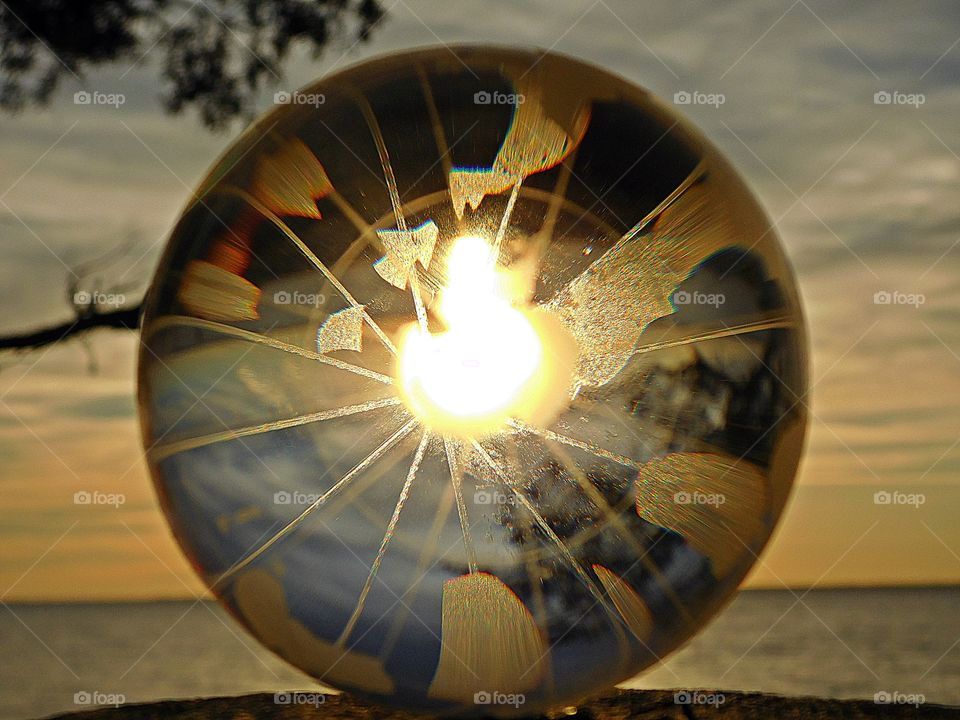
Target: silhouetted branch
(214, 56)
(122, 319)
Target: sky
(863, 193)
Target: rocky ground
(619, 705)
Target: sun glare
(489, 364)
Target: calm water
(839, 643)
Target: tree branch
(124, 319)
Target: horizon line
(212, 599)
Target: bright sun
(494, 362)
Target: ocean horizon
(838, 643)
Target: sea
(903, 644)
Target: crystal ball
(470, 380)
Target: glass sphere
(470, 382)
